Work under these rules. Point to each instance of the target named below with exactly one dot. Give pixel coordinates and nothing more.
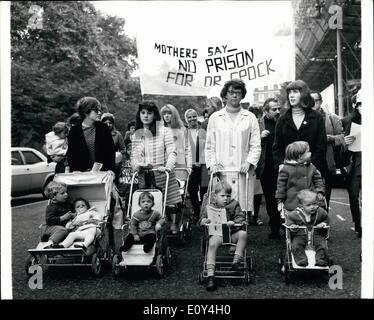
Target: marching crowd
(282, 151)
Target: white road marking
(340, 217)
(29, 204)
(352, 228)
(345, 204)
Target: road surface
(181, 281)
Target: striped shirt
(158, 150)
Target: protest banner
(260, 51)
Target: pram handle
(304, 227)
(131, 191)
(226, 171)
(230, 225)
(186, 186)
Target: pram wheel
(110, 255)
(250, 264)
(248, 278)
(160, 266)
(281, 261)
(168, 257)
(203, 245)
(43, 260)
(331, 262)
(188, 235)
(115, 266)
(30, 261)
(96, 265)
(201, 278)
(182, 236)
(287, 276)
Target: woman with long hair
(213, 104)
(172, 120)
(153, 145)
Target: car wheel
(44, 191)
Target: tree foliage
(76, 51)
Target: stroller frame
(183, 219)
(223, 262)
(161, 252)
(97, 252)
(286, 261)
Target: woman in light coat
(233, 141)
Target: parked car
(30, 171)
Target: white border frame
(6, 213)
(367, 72)
(367, 272)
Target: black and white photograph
(186, 150)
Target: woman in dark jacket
(301, 123)
(90, 141)
(354, 176)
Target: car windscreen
(31, 157)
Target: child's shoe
(236, 264)
(232, 250)
(80, 245)
(258, 222)
(147, 248)
(302, 263)
(211, 286)
(173, 229)
(123, 248)
(321, 263)
(57, 246)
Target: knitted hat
(107, 116)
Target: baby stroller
(224, 256)
(183, 219)
(160, 255)
(286, 261)
(98, 188)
